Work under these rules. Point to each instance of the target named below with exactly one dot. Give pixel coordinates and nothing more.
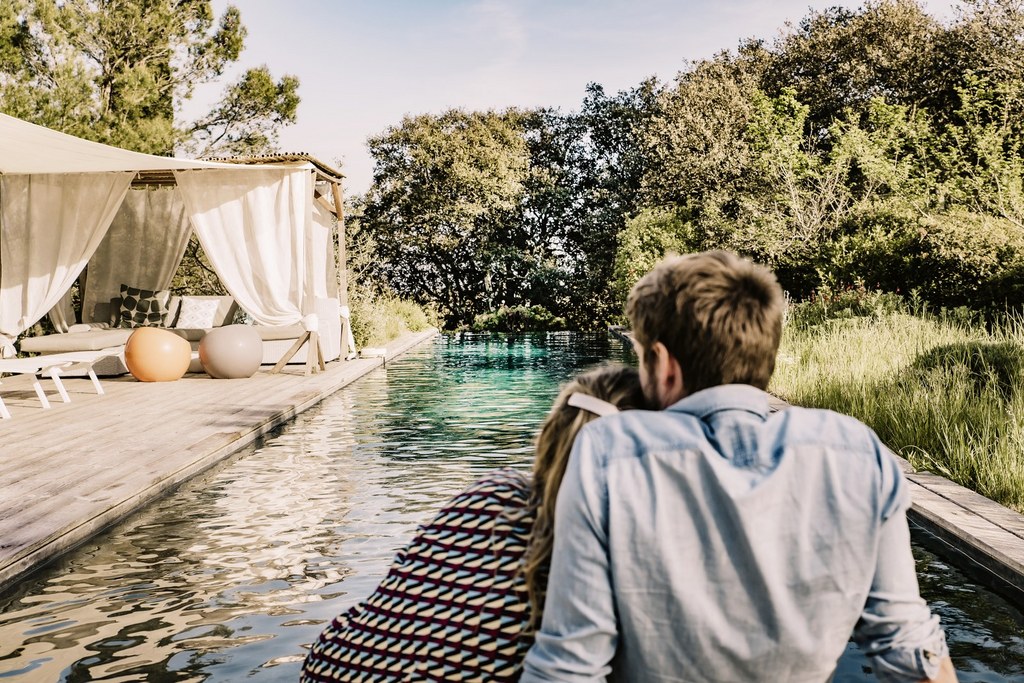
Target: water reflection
(231, 576)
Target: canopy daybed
(267, 225)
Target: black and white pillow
(143, 307)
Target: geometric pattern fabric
(143, 307)
(454, 605)
(197, 314)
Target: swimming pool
(232, 575)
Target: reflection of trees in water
(514, 377)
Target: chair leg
(314, 355)
(95, 381)
(291, 352)
(39, 392)
(55, 376)
(320, 356)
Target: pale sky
(364, 64)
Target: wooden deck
(68, 472)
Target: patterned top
(453, 606)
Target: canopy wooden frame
(328, 194)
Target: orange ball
(155, 355)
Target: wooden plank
(984, 550)
(996, 514)
(68, 472)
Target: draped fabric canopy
(57, 221)
(59, 196)
(142, 248)
(28, 149)
(268, 271)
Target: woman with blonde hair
(461, 602)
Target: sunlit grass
(376, 320)
(947, 397)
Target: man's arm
(578, 634)
(897, 630)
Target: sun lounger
(52, 365)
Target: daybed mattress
(92, 340)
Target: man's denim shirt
(714, 541)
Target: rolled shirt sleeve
(896, 629)
(578, 633)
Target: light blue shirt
(714, 541)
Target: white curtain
(50, 224)
(62, 315)
(256, 228)
(142, 248)
(325, 271)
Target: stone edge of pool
(972, 529)
(62, 541)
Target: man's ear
(668, 376)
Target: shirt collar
(725, 397)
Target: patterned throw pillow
(197, 314)
(143, 307)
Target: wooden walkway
(68, 472)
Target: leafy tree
(117, 71)
(646, 239)
(614, 167)
(838, 60)
(696, 145)
(586, 170)
(984, 157)
(441, 186)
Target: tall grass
(377, 319)
(945, 394)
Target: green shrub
(952, 259)
(518, 319)
(645, 240)
(848, 302)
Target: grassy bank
(945, 395)
(376, 320)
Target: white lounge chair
(52, 365)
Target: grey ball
(231, 352)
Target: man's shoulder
(823, 427)
(635, 430)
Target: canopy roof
(26, 148)
(264, 224)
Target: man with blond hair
(717, 541)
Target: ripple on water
(235, 573)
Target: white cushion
(197, 313)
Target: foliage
(843, 304)
(380, 319)
(377, 314)
(195, 275)
(117, 71)
(943, 395)
(518, 319)
(876, 145)
(441, 186)
(953, 259)
(478, 210)
(646, 239)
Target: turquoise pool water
(230, 577)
